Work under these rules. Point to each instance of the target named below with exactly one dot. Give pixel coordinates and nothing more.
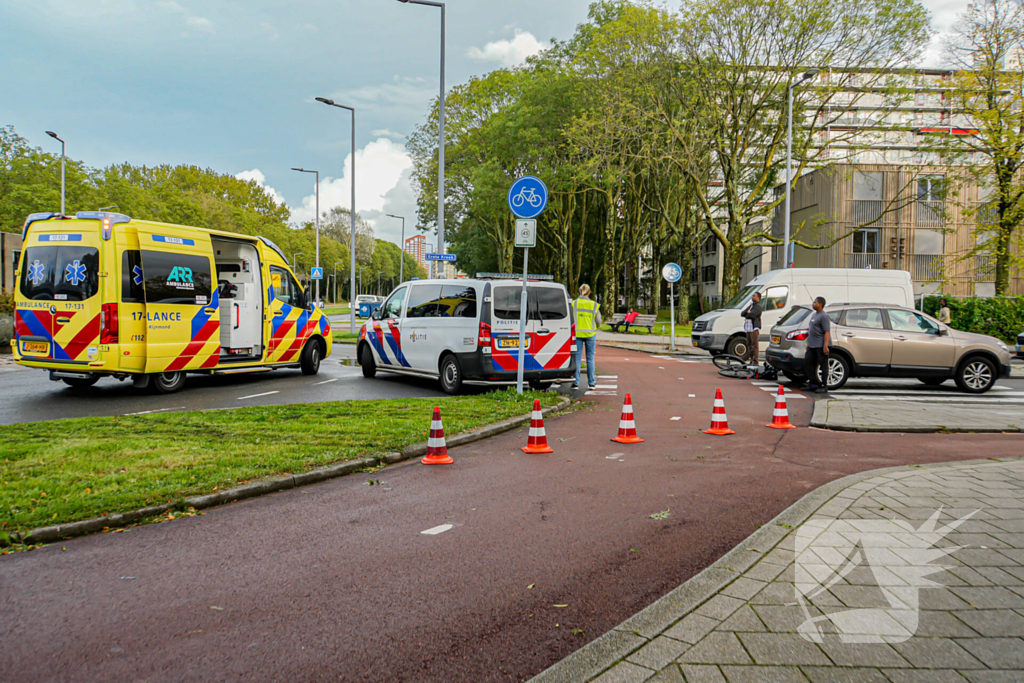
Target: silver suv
(883, 340)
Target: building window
(867, 186)
(928, 241)
(931, 188)
(865, 242)
(709, 274)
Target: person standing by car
(819, 337)
(588, 320)
(944, 316)
(752, 326)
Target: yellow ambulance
(100, 294)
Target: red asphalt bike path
(336, 581)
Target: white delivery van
(721, 330)
(466, 331)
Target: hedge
(1001, 316)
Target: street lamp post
(352, 208)
(62, 158)
(401, 249)
(808, 75)
(440, 117)
(295, 261)
(302, 170)
(379, 273)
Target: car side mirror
(377, 313)
(943, 332)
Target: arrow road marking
(434, 531)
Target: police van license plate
(511, 342)
(35, 347)
(776, 339)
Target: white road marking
(327, 381)
(660, 368)
(681, 378)
(673, 419)
(601, 393)
(147, 412)
(606, 386)
(693, 395)
(762, 383)
(614, 456)
(607, 376)
(266, 393)
(434, 531)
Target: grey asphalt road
(28, 395)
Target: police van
(466, 331)
(100, 294)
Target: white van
(721, 331)
(466, 331)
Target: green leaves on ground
(68, 470)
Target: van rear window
(65, 273)
(543, 303)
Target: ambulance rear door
(182, 305)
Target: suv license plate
(776, 339)
(511, 342)
(695, 340)
(36, 347)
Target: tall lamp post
(302, 170)
(54, 136)
(808, 75)
(440, 143)
(295, 260)
(401, 249)
(352, 208)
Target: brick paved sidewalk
(767, 613)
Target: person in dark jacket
(752, 326)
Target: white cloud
(943, 14)
(191, 20)
(385, 133)
(261, 180)
(382, 186)
(508, 52)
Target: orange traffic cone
(780, 418)
(627, 428)
(538, 441)
(437, 451)
(719, 420)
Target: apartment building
(873, 165)
(416, 246)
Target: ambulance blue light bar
(108, 219)
(33, 217)
(513, 276)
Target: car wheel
(838, 372)
(976, 375)
(932, 381)
(368, 364)
(737, 347)
(310, 360)
(797, 380)
(451, 375)
(167, 382)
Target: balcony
(927, 267)
(931, 213)
(865, 211)
(984, 268)
(856, 260)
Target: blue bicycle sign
(528, 197)
(672, 272)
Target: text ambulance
(466, 331)
(100, 294)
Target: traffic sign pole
(522, 323)
(672, 311)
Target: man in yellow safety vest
(588, 320)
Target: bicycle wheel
(726, 361)
(738, 372)
(517, 201)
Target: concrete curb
(820, 420)
(49, 534)
(609, 649)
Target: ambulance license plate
(35, 347)
(776, 339)
(511, 343)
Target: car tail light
(798, 335)
(572, 334)
(108, 324)
(485, 335)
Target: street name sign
(440, 257)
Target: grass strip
(69, 470)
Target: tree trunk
(732, 265)
(611, 277)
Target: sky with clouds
(230, 86)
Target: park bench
(619, 320)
